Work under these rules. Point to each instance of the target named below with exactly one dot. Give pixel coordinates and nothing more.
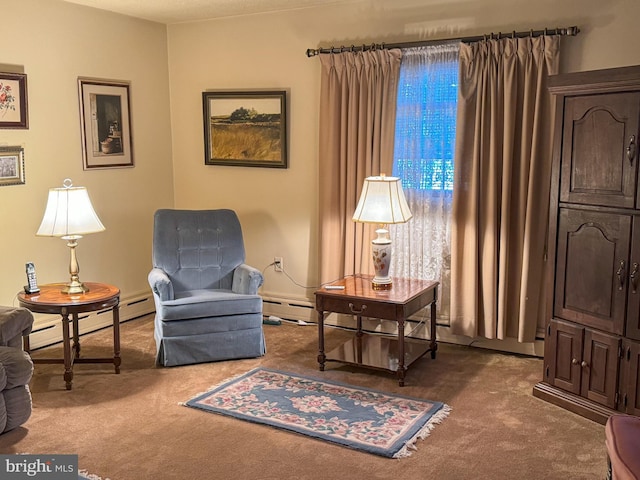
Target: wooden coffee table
(50, 299)
(382, 352)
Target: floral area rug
(358, 418)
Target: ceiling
(175, 11)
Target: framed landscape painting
(13, 101)
(105, 118)
(245, 128)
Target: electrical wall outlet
(277, 264)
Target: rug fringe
(437, 418)
(90, 476)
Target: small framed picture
(245, 128)
(13, 101)
(11, 166)
(105, 118)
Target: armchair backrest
(198, 249)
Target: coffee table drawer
(366, 308)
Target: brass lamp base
(75, 288)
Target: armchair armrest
(161, 284)
(14, 324)
(246, 280)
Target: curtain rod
(568, 31)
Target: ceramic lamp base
(381, 251)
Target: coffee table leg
(433, 344)
(66, 340)
(76, 335)
(116, 338)
(400, 371)
(321, 356)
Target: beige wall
(54, 43)
(169, 68)
(278, 208)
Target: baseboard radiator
(416, 327)
(47, 329)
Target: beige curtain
(357, 122)
(501, 187)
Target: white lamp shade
(382, 201)
(69, 212)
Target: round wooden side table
(51, 300)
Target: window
(423, 160)
(426, 118)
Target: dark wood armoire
(592, 338)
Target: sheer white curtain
(423, 159)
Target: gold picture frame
(245, 128)
(105, 118)
(11, 166)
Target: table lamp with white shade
(382, 201)
(70, 215)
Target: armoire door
(563, 355)
(630, 382)
(600, 149)
(600, 367)
(632, 329)
(592, 268)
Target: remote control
(334, 287)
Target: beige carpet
(131, 426)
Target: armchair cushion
(208, 303)
(223, 324)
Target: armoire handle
(633, 276)
(620, 274)
(631, 148)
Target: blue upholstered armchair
(206, 297)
